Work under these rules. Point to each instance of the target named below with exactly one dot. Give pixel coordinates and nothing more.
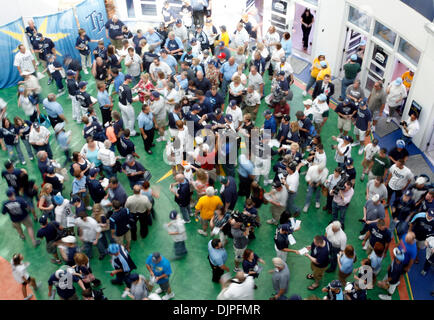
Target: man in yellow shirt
(325, 69)
(407, 79)
(316, 68)
(206, 206)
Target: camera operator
(410, 128)
(240, 234)
(341, 200)
(331, 182)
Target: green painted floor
(191, 279)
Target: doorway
(378, 66)
(297, 35)
(355, 43)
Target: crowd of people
(182, 73)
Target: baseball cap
(75, 199)
(335, 284)
(363, 102)
(93, 171)
(221, 43)
(50, 169)
(195, 107)
(400, 143)
(128, 77)
(178, 21)
(348, 138)
(277, 184)
(349, 161)
(281, 73)
(156, 94)
(408, 193)
(70, 73)
(217, 111)
(398, 254)
(224, 179)
(222, 55)
(129, 158)
(113, 248)
(8, 164)
(133, 277)
(283, 59)
(267, 112)
(193, 40)
(323, 64)
(69, 239)
(375, 141)
(188, 48)
(43, 219)
(164, 51)
(307, 102)
(173, 214)
(421, 180)
(286, 117)
(58, 127)
(398, 81)
(353, 57)
(375, 197)
(10, 191)
(156, 256)
(347, 100)
(233, 103)
(291, 167)
(229, 117)
(322, 97)
(36, 125)
(58, 199)
(362, 43)
(82, 84)
(206, 51)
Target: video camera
(341, 184)
(246, 221)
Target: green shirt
(380, 165)
(351, 70)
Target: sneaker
(362, 237)
(23, 163)
(365, 247)
(388, 119)
(56, 261)
(85, 71)
(133, 133)
(423, 273)
(168, 296)
(272, 221)
(384, 297)
(372, 128)
(356, 143)
(49, 81)
(158, 291)
(317, 205)
(28, 297)
(306, 207)
(149, 151)
(361, 150)
(200, 231)
(31, 158)
(304, 93)
(89, 208)
(125, 294)
(362, 177)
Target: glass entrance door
(378, 66)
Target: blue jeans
(225, 84)
(108, 171)
(11, 153)
(101, 245)
(290, 203)
(339, 210)
(312, 190)
(333, 258)
(310, 83)
(133, 183)
(28, 148)
(185, 211)
(345, 84)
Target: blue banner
(62, 29)
(92, 16)
(11, 35)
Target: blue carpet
(304, 75)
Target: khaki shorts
(360, 133)
(318, 273)
(344, 124)
(239, 254)
(125, 237)
(27, 222)
(117, 43)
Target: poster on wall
(62, 29)
(92, 17)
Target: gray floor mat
(383, 128)
(297, 64)
(418, 165)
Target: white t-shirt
(252, 99)
(19, 272)
(371, 150)
(320, 158)
(255, 80)
(396, 95)
(271, 38)
(134, 68)
(346, 150)
(292, 180)
(25, 62)
(412, 127)
(400, 177)
(27, 106)
(237, 115)
(318, 109)
(240, 38)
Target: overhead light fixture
(429, 27)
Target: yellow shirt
(207, 205)
(225, 38)
(316, 68)
(407, 79)
(323, 72)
